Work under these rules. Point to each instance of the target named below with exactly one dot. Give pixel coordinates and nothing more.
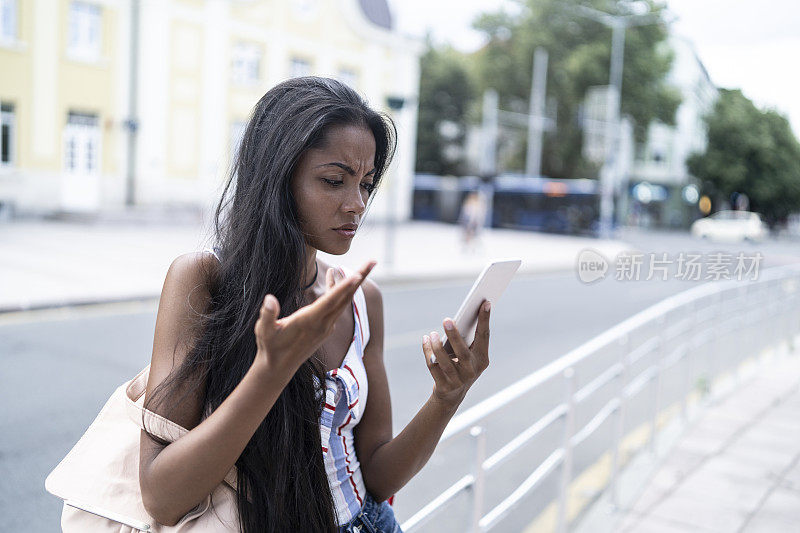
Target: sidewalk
(53, 263)
(736, 469)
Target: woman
(259, 346)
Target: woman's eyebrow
(345, 168)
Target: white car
(731, 226)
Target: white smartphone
(491, 283)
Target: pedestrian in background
(471, 219)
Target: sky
(752, 45)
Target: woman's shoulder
(188, 279)
(194, 267)
(372, 294)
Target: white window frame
(84, 31)
(8, 120)
(8, 21)
(299, 67)
(246, 64)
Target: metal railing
(733, 319)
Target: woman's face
(331, 186)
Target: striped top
(345, 399)
(344, 402)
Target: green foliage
(750, 151)
(579, 57)
(445, 93)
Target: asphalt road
(60, 366)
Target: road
(60, 366)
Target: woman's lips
(349, 233)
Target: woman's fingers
(430, 359)
(466, 362)
(367, 267)
(270, 308)
(268, 313)
(442, 358)
(480, 346)
(326, 309)
(342, 293)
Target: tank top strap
(362, 320)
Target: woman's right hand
(285, 344)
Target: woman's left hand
(454, 374)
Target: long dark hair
(281, 479)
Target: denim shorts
(373, 517)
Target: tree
(752, 152)
(445, 93)
(579, 57)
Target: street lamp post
(396, 104)
(609, 174)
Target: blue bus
(569, 206)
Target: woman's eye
(332, 183)
(369, 187)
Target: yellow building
(62, 102)
(86, 83)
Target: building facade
(114, 100)
(661, 191)
(60, 91)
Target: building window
(246, 63)
(348, 77)
(7, 135)
(299, 67)
(84, 31)
(82, 143)
(8, 21)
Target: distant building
(651, 190)
(67, 96)
(661, 190)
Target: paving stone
(782, 505)
(699, 513)
(653, 524)
(714, 489)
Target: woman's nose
(354, 203)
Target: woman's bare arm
(387, 463)
(176, 477)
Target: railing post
(661, 321)
(794, 313)
(693, 314)
(774, 309)
(566, 464)
(762, 305)
(478, 435)
(715, 353)
(788, 291)
(741, 334)
(619, 423)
